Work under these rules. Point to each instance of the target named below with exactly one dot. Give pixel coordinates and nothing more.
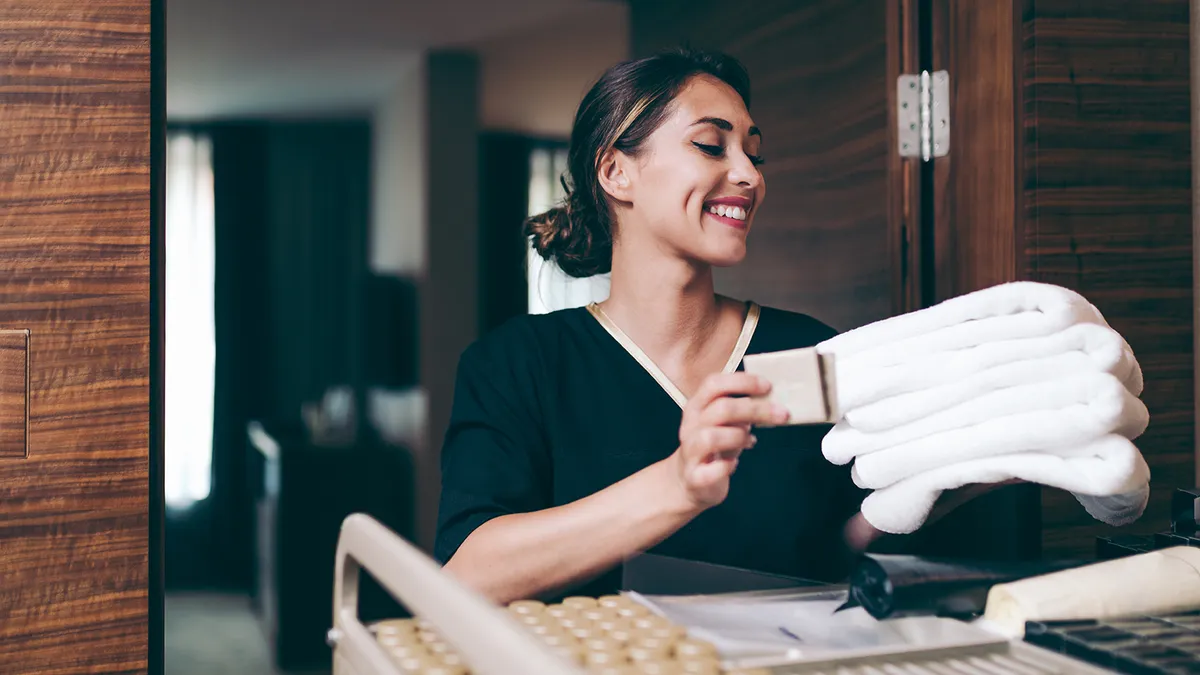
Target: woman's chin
(729, 257)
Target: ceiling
(228, 58)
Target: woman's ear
(613, 174)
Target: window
(550, 288)
(190, 342)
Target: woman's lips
(733, 211)
(726, 220)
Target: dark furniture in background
(303, 491)
(390, 337)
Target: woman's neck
(666, 305)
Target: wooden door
(831, 237)
(1070, 163)
(77, 269)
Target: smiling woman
(609, 155)
(582, 436)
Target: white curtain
(190, 341)
(550, 288)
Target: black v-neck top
(551, 408)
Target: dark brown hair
(625, 106)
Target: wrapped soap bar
(802, 380)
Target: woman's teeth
(735, 212)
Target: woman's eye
(717, 151)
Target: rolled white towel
(1103, 394)
(1009, 311)
(1157, 583)
(1107, 475)
(864, 382)
(1056, 431)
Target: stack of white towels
(1021, 381)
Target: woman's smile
(732, 211)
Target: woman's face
(695, 186)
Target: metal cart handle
(488, 640)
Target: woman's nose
(744, 173)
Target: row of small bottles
(610, 635)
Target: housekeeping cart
(458, 632)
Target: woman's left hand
(860, 534)
(952, 499)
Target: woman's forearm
(529, 555)
(860, 534)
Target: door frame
(155, 657)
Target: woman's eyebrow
(724, 125)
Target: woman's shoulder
(780, 329)
(524, 338)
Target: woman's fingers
(729, 384)
(716, 428)
(714, 440)
(743, 412)
(707, 474)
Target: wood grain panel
(14, 392)
(822, 243)
(976, 183)
(1108, 209)
(74, 271)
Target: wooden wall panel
(826, 238)
(975, 242)
(75, 271)
(1108, 209)
(975, 185)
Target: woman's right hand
(716, 428)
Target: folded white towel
(1007, 311)
(1119, 509)
(1111, 411)
(1107, 475)
(1105, 396)
(863, 382)
(895, 411)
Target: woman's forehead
(705, 99)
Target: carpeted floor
(212, 634)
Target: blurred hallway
(214, 634)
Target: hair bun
(547, 230)
(567, 236)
